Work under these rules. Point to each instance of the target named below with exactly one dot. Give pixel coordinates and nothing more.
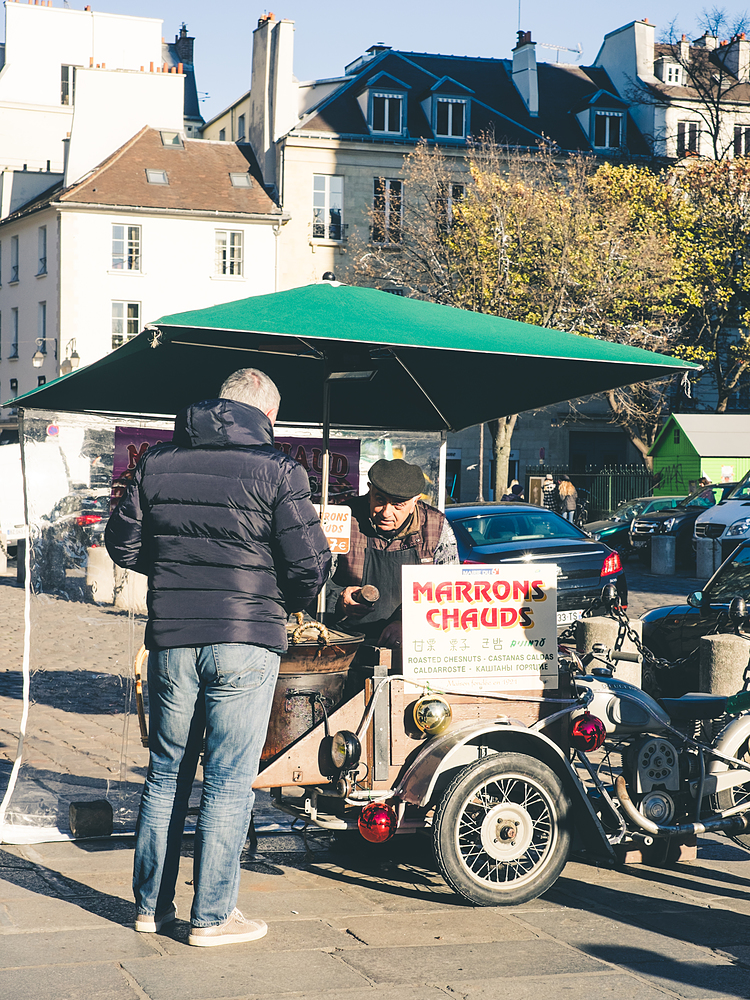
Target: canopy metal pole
(324, 473)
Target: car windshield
(733, 580)
(627, 511)
(706, 497)
(742, 490)
(518, 526)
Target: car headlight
(669, 523)
(739, 527)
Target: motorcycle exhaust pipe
(734, 824)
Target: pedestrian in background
(222, 524)
(568, 497)
(550, 498)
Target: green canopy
(431, 367)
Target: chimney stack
(184, 45)
(524, 72)
(737, 58)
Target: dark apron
(382, 569)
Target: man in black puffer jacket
(222, 524)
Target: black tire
(491, 798)
(729, 797)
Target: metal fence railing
(606, 488)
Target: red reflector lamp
(88, 518)
(588, 733)
(377, 822)
(611, 565)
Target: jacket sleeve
(123, 536)
(302, 556)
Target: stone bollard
(663, 555)
(723, 662)
(100, 575)
(707, 557)
(131, 589)
(604, 630)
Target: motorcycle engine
(656, 778)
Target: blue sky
(331, 33)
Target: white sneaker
(153, 923)
(235, 928)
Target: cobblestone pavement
(342, 926)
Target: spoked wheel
(501, 830)
(729, 797)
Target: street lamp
(38, 357)
(72, 358)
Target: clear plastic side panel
(82, 761)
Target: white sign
(337, 527)
(481, 628)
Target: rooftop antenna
(562, 48)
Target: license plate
(565, 617)
(640, 544)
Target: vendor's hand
(347, 605)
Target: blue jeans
(224, 691)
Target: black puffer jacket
(222, 524)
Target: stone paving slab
(599, 985)
(449, 964)
(220, 973)
(716, 980)
(92, 982)
(476, 926)
(73, 947)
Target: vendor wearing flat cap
(391, 527)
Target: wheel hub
(507, 830)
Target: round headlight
(345, 750)
(432, 715)
(377, 822)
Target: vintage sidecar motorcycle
(507, 782)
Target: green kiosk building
(692, 445)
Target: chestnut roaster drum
(312, 682)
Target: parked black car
(615, 529)
(674, 631)
(519, 532)
(677, 522)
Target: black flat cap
(397, 478)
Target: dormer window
(450, 118)
(383, 104)
(387, 112)
(608, 129)
(673, 74)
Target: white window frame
(451, 103)
(392, 211)
(228, 251)
(67, 86)
(689, 137)
(13, 334)
(126, 248)
(742, 139)
(125, 321)
(608, 116)
(387, 97)
(323, 226)
(41, 326)
(154, 176)
(14, 268)
(42, 251)
(673, 74)
(448, 195)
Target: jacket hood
(221, 423)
